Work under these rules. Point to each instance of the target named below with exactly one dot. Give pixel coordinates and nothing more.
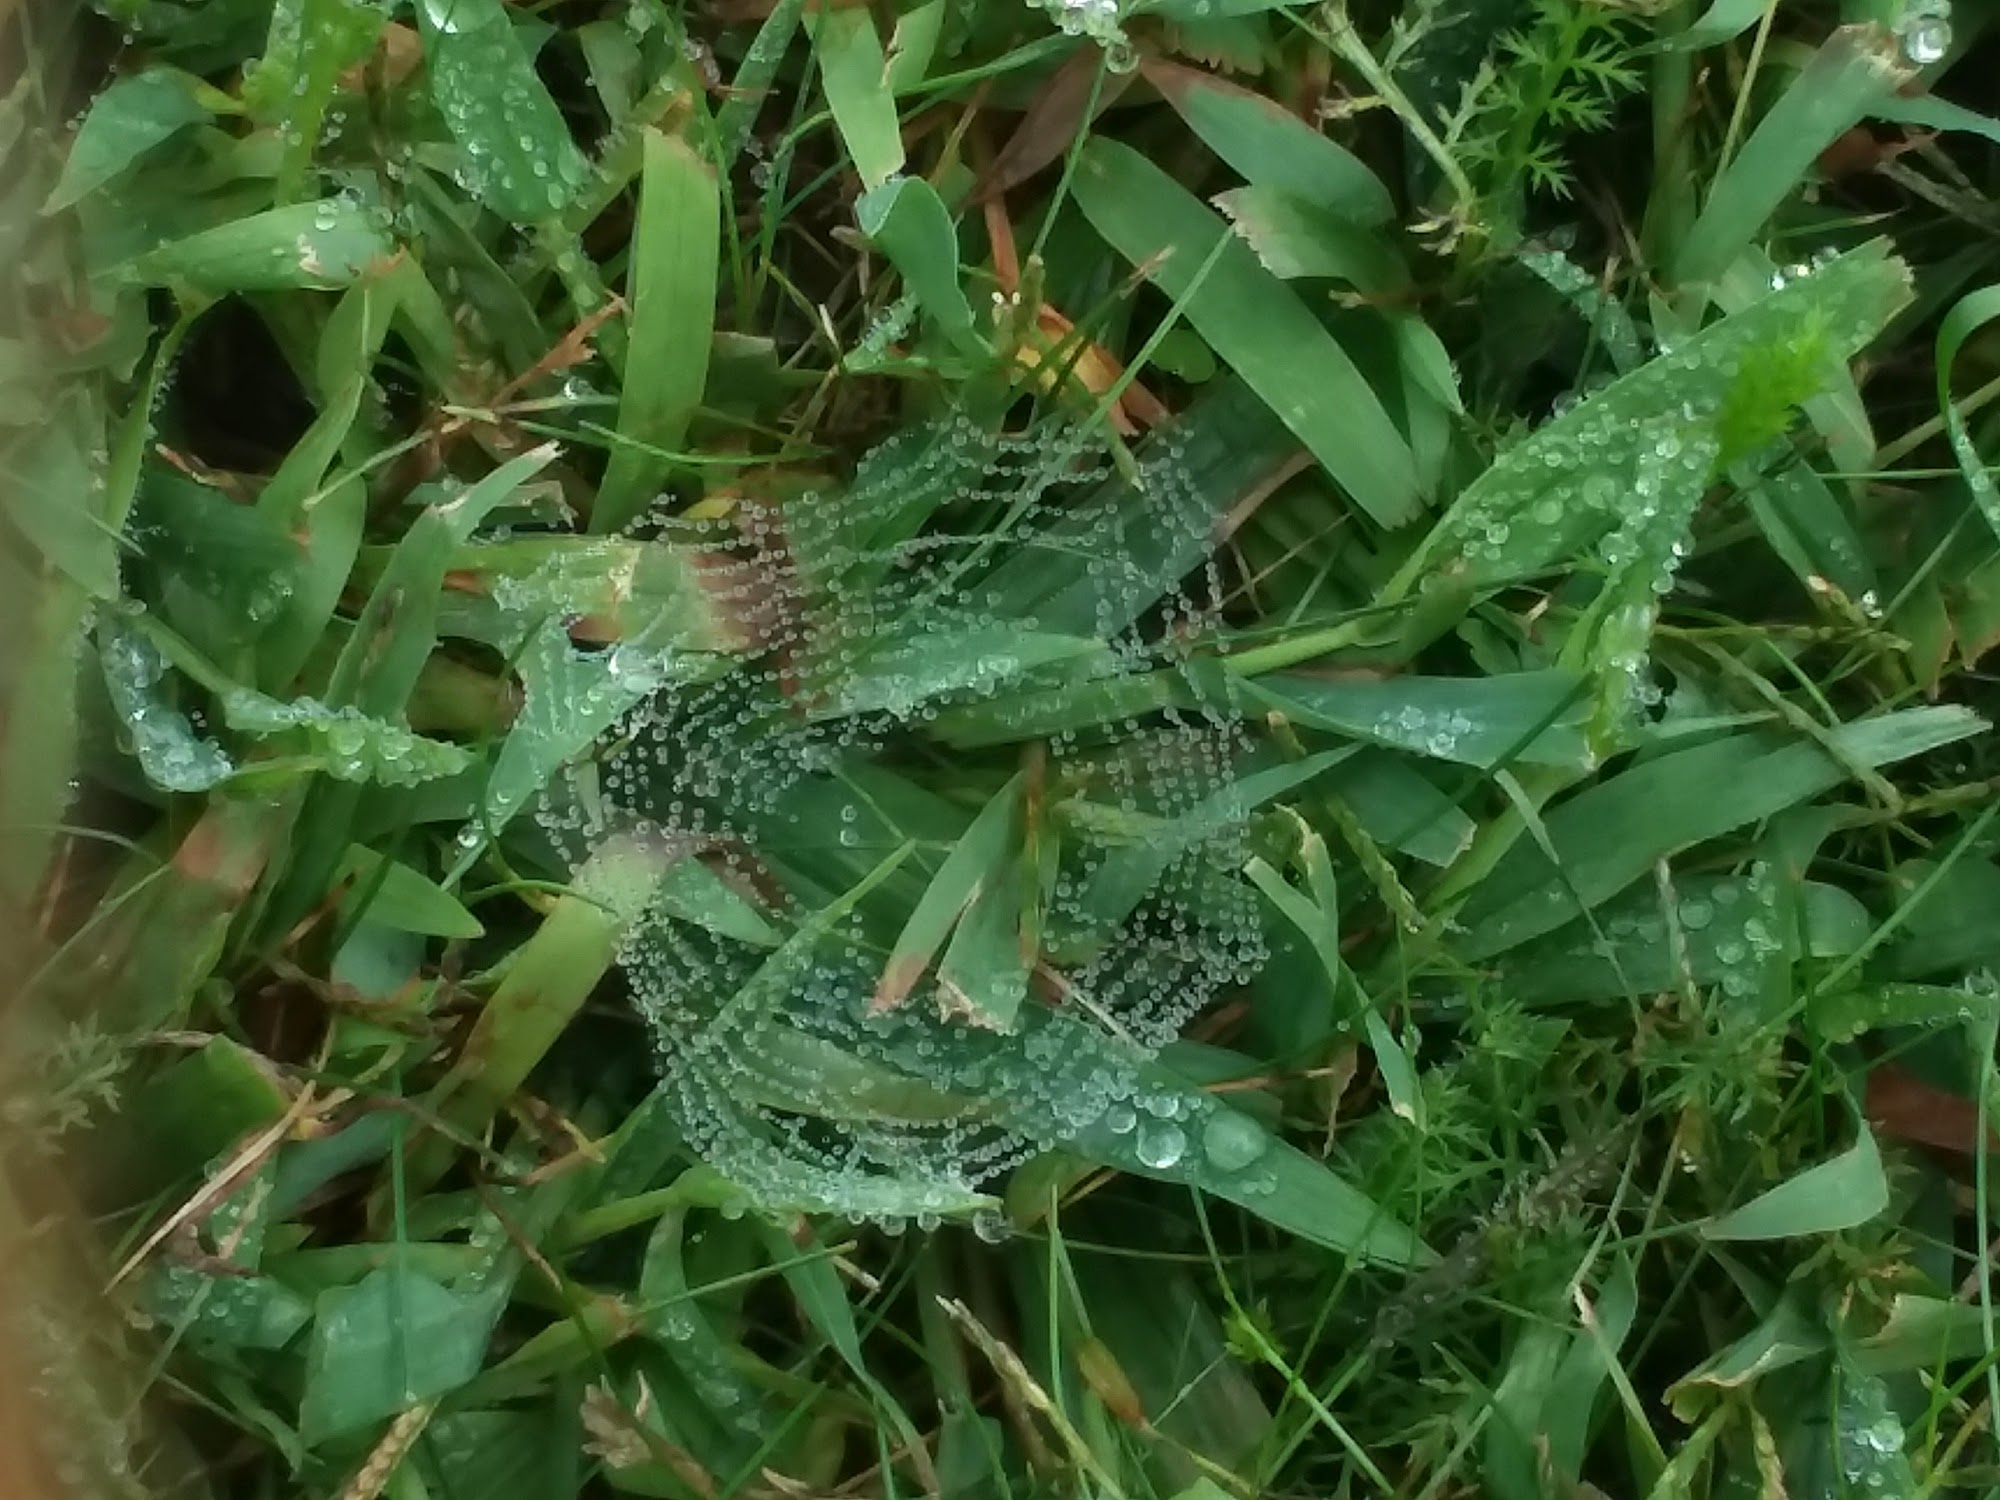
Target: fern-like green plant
(1558, 76)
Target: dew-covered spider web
(978, 666)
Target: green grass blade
(676, 261)
(1842, 1193)
(518, 154)
(1855, 68)
(855, 75)
(321, 246)
(1254, 322)
(1966, 317)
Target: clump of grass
(798, 751)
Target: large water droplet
(1231, 1140)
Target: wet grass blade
(1966, 317)
(979, 861)
(321, 246)
(1609, 836)
(519, 156)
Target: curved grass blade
(1967, 316)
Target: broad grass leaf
(1296, 239)
(1515, 1461)
(1611, 834)
(1731, 930)
(913, 44)
(983, 977)
(1841, 1193)
(397, 628)
(1791, 1333)
(737, 114)
(808, 1075)
(219, 573)
(1921, 1333)
(1037, 713)
(1722, 21)
(393, 1339)
(197, 1108)
(909, 223)
(1609, 323)
(1477, 721)
(51, 476)
(379, 667)
(548, 979)
(226, 1311)
(570, 698)
(1255, 323)
(1929, 112)
(1269, 145)
(518, 1450)
(1613, 637)
(44, 611)
(675, 264)
(618, 588)
(1317, 918)
(1396, 805)
(1570, 1402)
(405, 899)
(683, 1325)
(1950, 927)
(519, 157)
(1168, 1337)
(691, 892)
(855, 75)
(127, 120)
(1121, 880)
(1561, 489)
(319, 246)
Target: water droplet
(1160, 1144)
(1231, 1140)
